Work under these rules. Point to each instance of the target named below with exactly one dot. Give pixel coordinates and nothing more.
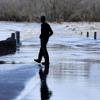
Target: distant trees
(55, 10)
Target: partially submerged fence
(88, 35)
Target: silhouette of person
(46, 32)
(45, 92)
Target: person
(46, 33)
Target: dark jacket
(46, 31)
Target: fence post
(87, 34)
(81, 33)
(18, 38)
(13, 35)
(95, 35)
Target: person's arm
(50, 31)
(41, 32)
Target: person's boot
(36, 60)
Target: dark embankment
(7, 47)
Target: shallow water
(74, 62)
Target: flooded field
(74, 63)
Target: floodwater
(74, 63)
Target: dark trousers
(43, 51)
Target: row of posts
(16, 36)
(87, 35)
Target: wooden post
(14, 42)
(95, 35)
(13, 35)
(18, 38)
(81, 33)
(87, 34)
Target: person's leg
(45, 52)
(40, 54)
(46, 56)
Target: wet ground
(74, 69)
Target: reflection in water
(71, 70)
(2, 62)
(7, 62)
(18, 49)
(45, 92)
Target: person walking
(46, 33)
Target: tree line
(54, 10)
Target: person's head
(43, 19)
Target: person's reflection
(45, 92)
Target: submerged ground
(74, 63)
